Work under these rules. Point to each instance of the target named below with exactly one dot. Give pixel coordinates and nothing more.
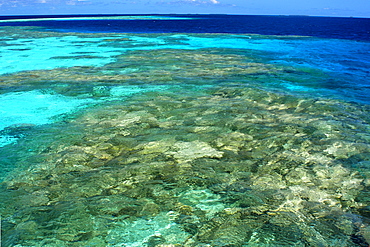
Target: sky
(355, 8)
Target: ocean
(184, 130)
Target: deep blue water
(324, 27)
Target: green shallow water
(184, 147)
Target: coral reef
(197, 163)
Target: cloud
(205, 2)
(13, 3)
(191, 2)
(27, 3)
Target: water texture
(112, 139)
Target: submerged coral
(202, 164)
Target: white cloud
(194, 2)
(13, 3)
(77, 2)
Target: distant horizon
(163, 14)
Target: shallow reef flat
(187, 147)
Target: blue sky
(357, 8)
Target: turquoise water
(33, 108)
(183, 140)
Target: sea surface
(184, 130)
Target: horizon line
(162, 14)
